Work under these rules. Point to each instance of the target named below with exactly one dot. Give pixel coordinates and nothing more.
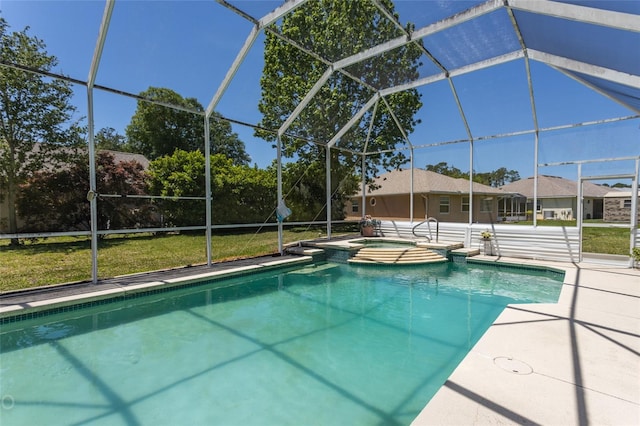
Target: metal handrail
(428, 222)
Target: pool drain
(513, 365)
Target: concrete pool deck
(574, 362)
(42, 298)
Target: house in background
(125, 157)
(558, 198)
(617, 206)
(435, 195)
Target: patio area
(574, 362)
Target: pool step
(398, 256)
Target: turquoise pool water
(327, 344)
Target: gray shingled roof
(119, 157)
(554, 187)
(620, 194)
(424, 181)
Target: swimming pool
(324, 344)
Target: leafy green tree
(620, 185)
(226, 142)
(108, 138)
(306, 195)
(444, 169)
(483, 178)
(502, 176)
(179, 175)
(35, 115)
(495, 178)
(156, 130)
(338, 29)
(240, 194)
(56, 199)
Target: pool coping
(114, 289)
(355, 243)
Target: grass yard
(68, 259)
(605, 240)
(595, 240)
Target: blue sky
(188, 46)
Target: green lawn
(606, 240)
(67, 259)
(595, 240)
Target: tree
(33, 109)
(240, 194)
(226, 142)
(156, 130)
(179, 175)
(306, 195)
(108, 138)
(495, 178)
(444, 169)
(620, 185)
(502, 176)
(56, 199)
(337, 29)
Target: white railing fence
(557, 243)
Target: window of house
(538, 205)
(444, 204)
(465, 204)
(372, 201)
(486, 205)
(355, 206)
(626, 204)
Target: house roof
(619, 194)
(399, 182)
(555, 187)
(119, 157)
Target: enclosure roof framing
(573, 67)
(585, 68)
(356, 117)
(305, 101)
(251, 38)
(618, 81)
(102, 36)
(375, 51)
(574, 12)
(521, 133)
(279, 12)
